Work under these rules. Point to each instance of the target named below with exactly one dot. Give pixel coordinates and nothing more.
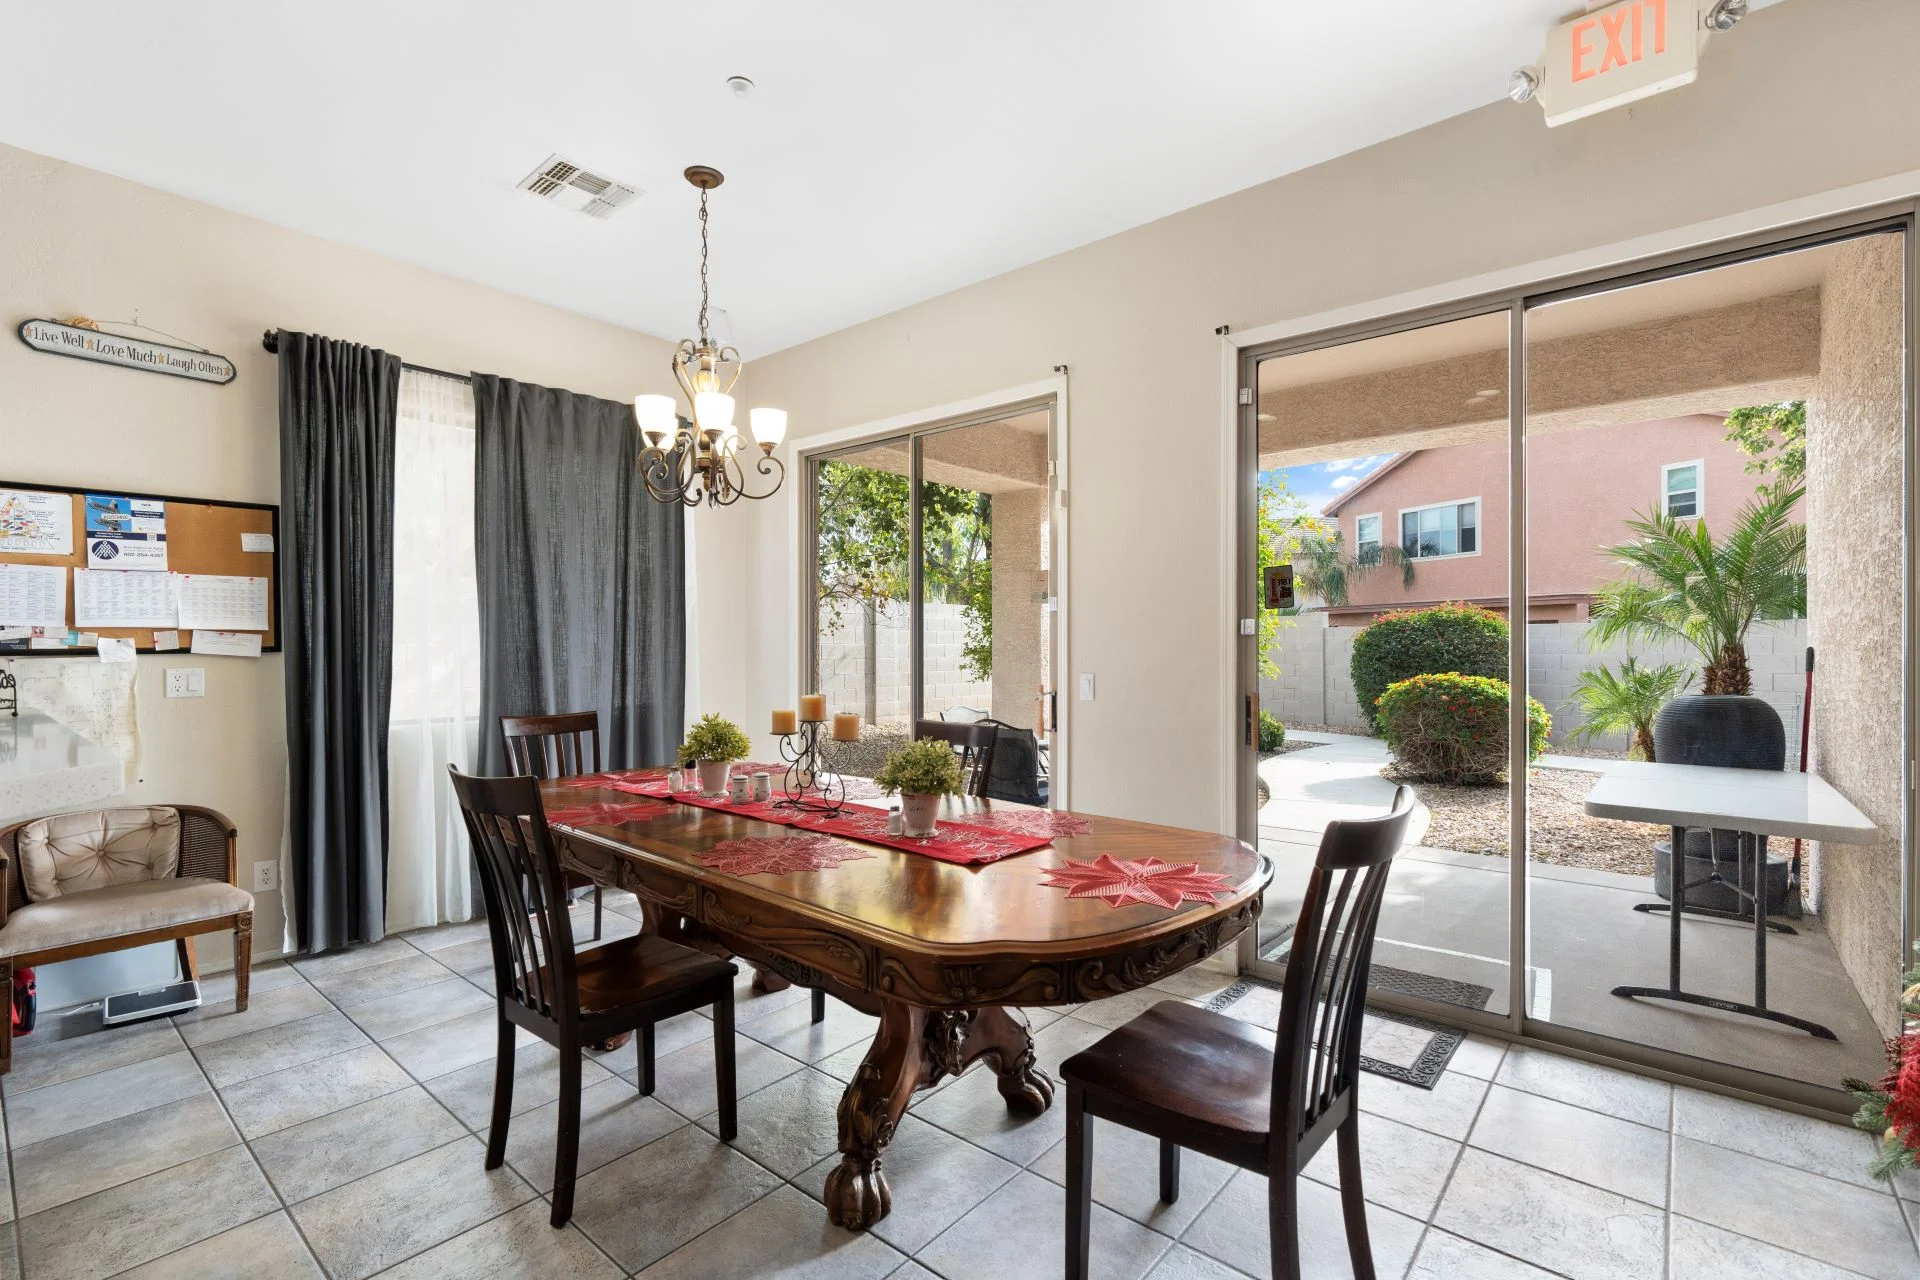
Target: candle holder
(808, 784)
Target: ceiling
(889, 152)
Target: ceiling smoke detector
(571, 187)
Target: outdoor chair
(974, 743)
(1264, 1101)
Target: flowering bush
(1891, 1107)
(1447, 637)
(1453, 728)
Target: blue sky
(1318, 483)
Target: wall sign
(1276, 587)
(1619, 53)
(129, 353)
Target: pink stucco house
(1447, 507)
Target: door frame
(1521, 293)
(912, 427)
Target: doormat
(1384, 977)
(1394, 1045)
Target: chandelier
(704, 458)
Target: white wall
(1803, 98)
(74, 241)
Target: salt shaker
(674, 781)
(896, 825)
(762, 785)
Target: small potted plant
(714, 743)
(922, 772)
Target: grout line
(1446, 1183)
(1673, 1148)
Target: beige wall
(1854, 558)
(1803, 98)
(74, 241)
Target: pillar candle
(785, 722)
(846, 727)
(813, 707)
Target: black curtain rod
(271, 341)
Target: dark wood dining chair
(1259, 1100)
(557, 746)
(974, 741)
(571, 998)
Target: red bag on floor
(26, 1002)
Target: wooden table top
(897, 897)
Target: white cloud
(1344, 482)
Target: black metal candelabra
(809, 783)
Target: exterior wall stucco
(1854, 589)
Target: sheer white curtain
(436, 652)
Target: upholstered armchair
(79, 884)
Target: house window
(1444, 529)
(1366, 539)
(1680, 495)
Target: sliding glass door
(930, 561)
(1698, 496)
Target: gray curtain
(337, 408)
(582, 575)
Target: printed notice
(227, 644)
(221, 603)
(256, 542)
(33, 595)
(164, 641)
(126, 533)
(116, 649)
(36, 523)
(111, 598)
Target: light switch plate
(1086, 686)
(266, 877)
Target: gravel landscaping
(1474, 820)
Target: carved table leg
(1003, 1035)
(857, 1195)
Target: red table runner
(962, 842)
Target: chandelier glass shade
(704, 458)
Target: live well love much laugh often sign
(128, 353)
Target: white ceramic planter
(917, 813)
(713, 777)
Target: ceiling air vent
(568, 185)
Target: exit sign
(1619, 53)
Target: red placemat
(1148, 881)
(967, 843)
(606, 812)
(780, 855)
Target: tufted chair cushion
(75, 852)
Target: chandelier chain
(703, 265)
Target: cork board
(201, 536)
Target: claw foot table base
(915, 1049)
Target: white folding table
(1755, 801)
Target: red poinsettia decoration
(1031, 822)
(780, 855)
(1148, 881)
(605, 813)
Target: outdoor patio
(1446, 917)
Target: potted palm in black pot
(1685, 585)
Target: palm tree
(1704, 593)
(1627, 702)
(1326, 570)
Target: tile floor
(336, 1128)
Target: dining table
(945, 941)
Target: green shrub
(923, 768)
(1273, 734)
(714, 737)
(1445, 727)
(1462, 638)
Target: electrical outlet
(266, 877)
(186, 682)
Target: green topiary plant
(1273, 734)
(923, 768)
(1445, 727)
(715, 738)
(1462, 638)
(1627, 702)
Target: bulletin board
(202, 537)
